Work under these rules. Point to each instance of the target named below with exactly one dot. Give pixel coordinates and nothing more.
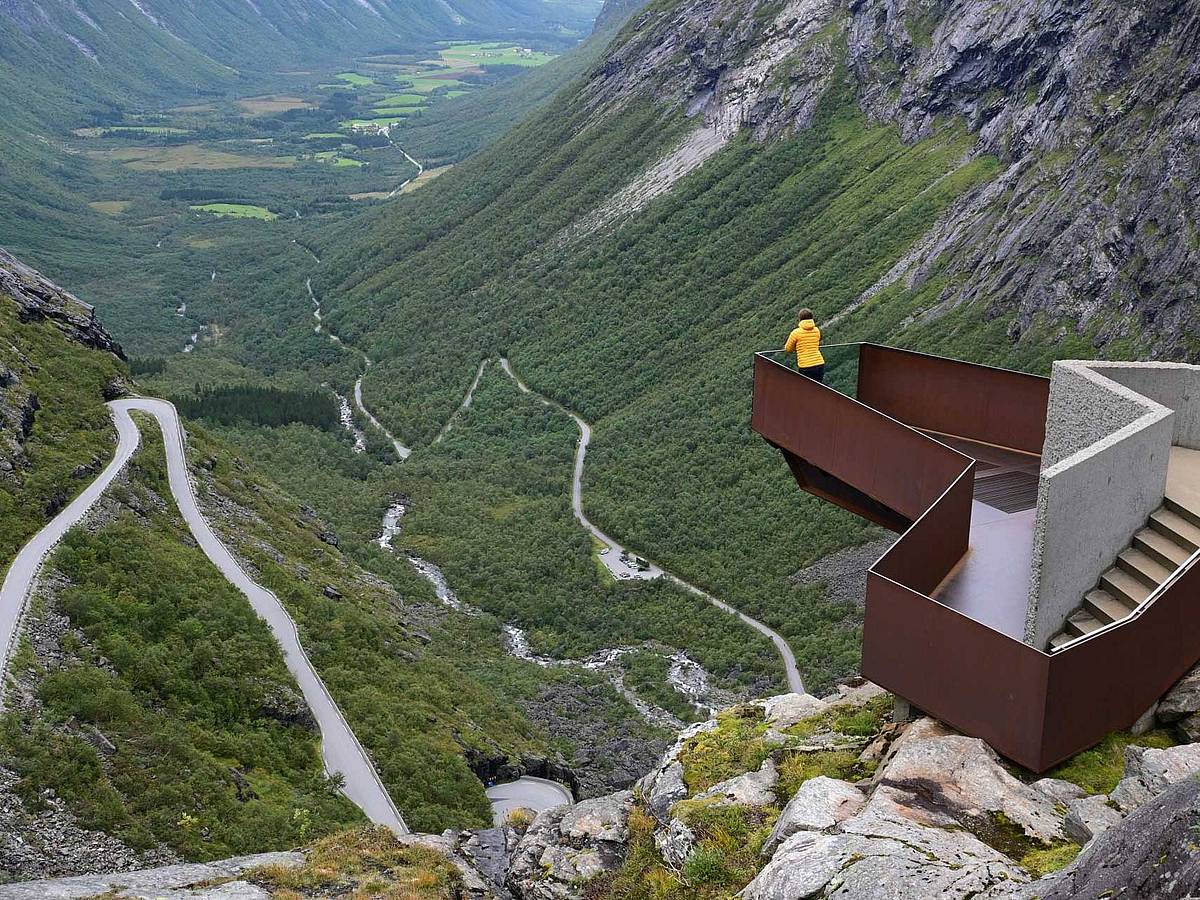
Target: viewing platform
(1042, 591)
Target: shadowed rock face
(1149, 856)
(40, 299)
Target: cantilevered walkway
(994, 537)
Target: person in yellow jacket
(805, 339)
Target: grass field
(401, 100)
(489, 52)
(424, 178)
(188, 156)
(237, 211)
(354, 79)
(263, 106)
(111, 207)
(334, 158)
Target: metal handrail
(1137, 611)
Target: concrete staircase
(1171, 535)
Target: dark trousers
(816, 373)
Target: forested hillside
(147, 710)
(861, 162)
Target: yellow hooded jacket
(805, 339)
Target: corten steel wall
(889, 462)
(983, 403)
(1105, 681)
(970, 676)
(1036, 708)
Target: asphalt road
(526, 792)
(340, 749)
(613, 558)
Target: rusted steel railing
(868, 455)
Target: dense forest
(260, 406)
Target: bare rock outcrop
(40, 299)
(567, 846)
(1150, 856)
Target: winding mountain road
(615, 561)
(340, 749)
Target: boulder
(897, 861)
(1189, 728)
(855, 694)
(947, 780)
(1150, 771)
(569, 845)
(1088, 817)
(1148, 856)
(1059, 791)
(670, 768)
(752, 789)
(1182, 700)
(664, 790)
(786, 710)
(676, 843)
(1145, 722)
(819, 805)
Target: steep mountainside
(114, 44)
(147, 713)
(1003, 184)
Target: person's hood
(808, 324)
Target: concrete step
(1176, 527)
(1143, 568)
(1182, 506)
(1081, 622)
(1061, 638)
(1105, 607)
(1124, 586)
(1161, 548)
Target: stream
(346, 417)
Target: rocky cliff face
(1091, 105)
(38, 298)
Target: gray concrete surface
(1104, 471)
(527, 792)
(340, 749)
(1173, 385)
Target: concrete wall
(1174, 385)
(1104, 470)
